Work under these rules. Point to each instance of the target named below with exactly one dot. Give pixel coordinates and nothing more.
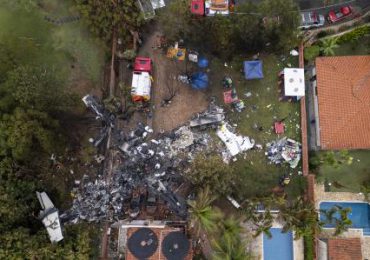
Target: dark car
(343, 12)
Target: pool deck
(321, 195)
(256, 243)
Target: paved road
(317, 4)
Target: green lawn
(37, 41)
(360, 47)
(351, 177)
(258, 177)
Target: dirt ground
(186, 101)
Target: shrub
(354, 35)
(358, 23)
(311, 53)
(344, 28)
(322, 34)
(330, 32)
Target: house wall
(316, 111)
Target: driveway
(318, 4)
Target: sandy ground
(186, 101)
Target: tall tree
(225, 248)
(219, 36)
(177, 22)
(328, 46)
(213, 172)
(231, 227)
(104, 17)
(203, 216)
(338, 216)
(36, 88)
(247, 28)
(28, 133)
(228, 244)
(301, 217)
(281, 20)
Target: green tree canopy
(311, 53)
(281, 21)
(34, 87)
(21, 244)
(250, 28)
(34, 101)
(27, 133)
(328, 46)
(203, 216)
(211, 171)
(228, 244)
(105, 16)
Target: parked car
(220, 7)
(311, 20)
(343, 12)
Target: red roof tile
(343, 89)
(344, 249)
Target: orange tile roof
(344, 249)
(343, 89)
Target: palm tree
(202, 215)
(329, 214)
(263, 229)
(344, 222)
(328, 45)
(263, 222)
(227, 248)
(231, 227)
(300, 217)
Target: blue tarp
(202, 63)
(199, 80)
(253, 69)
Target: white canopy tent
(294, 84)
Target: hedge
(354, 35)
(310, 53)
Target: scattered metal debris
(50, 217)
(284, 150)
(234, 202)
(108, 118)
(235, 144)
(213, 116)
(151, 169)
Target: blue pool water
(360, 214)
(279, 247)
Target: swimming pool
(279, 247)
(360, 214)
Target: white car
(311, 20)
